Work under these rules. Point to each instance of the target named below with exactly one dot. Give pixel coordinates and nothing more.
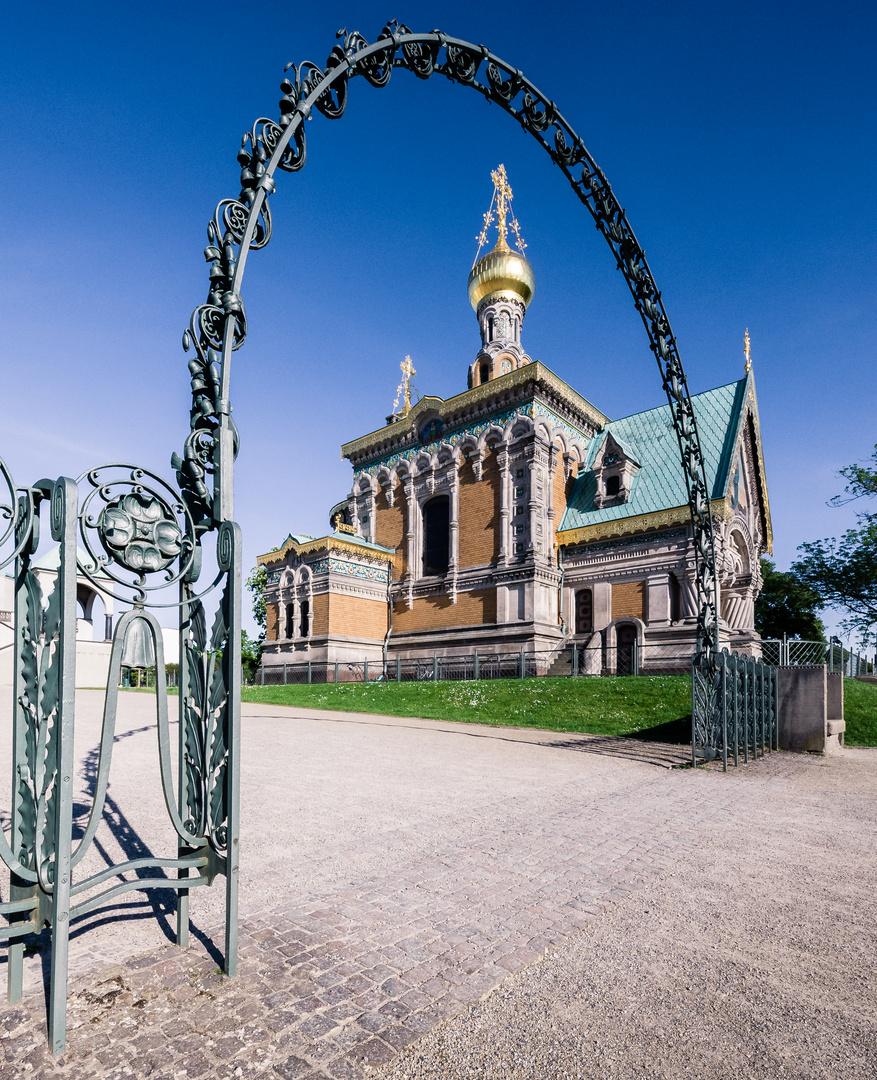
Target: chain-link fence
(791, 651)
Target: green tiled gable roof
(650, 439)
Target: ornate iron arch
(239, 226)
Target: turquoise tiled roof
(650, 439)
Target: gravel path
(755, 957)
(424, 899)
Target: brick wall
(357, 616)
(629, 600)
(479, 513)
(561, 488)
(471, 609)
(272, 615)
(321, 615)
(390, 526)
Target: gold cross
(405, 386)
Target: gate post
(64, 506)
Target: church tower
(501, 286)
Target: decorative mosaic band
(531, 409)
(339, 566)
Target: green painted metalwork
(733, 708)
(143, 537)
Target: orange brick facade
(356, 616)
(272, 614)
(390, 526)
(629, 600)
(561, 487)
(479, 513)
(471, 609)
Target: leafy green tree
(257, 583)
(787, 606)
(843, 573)
(251, 656)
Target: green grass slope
(860, 713)
(657, 707)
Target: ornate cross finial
(404, 387)
(748, 366)
(502, 199)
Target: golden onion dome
(501, 272)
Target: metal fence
(791, 651)
(571, 661)
(733, 708)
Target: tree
(843, 573)
(787, 606)
(257, 583)
(251, 656)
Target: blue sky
(740, 140)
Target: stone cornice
(479, 401)
(638, 523)
(323, 543)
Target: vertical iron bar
(310, 676)
(736, 707)
(434, 667)
(232, 774)
(19, 889)
(285, 666)
(64, 507)
(336, 671)
(398, 669)
(475, 671)
(184, 793)
(365, 671)
(746, 718)
(724, 693)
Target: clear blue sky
(739, 138)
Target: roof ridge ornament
(748, 366)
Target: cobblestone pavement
(338, 979)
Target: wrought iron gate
(139, 534)
(733, 707)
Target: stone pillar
(532, 506)
(502, 460)
(658, 606)
(411, 510)
(454, 561)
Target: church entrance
(625, 642)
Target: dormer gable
(615, 466)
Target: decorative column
(454, 560)
(502, 460)
(549, 504)
(532, 506)
(411, 536)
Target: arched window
(584, 611)
(290, 621)
(304, 612)
(437, 535)
(613, 485)
(485, 373)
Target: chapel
(516, 515)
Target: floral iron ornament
(137, 532)
(146, 528)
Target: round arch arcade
(243, 224)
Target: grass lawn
(655, 706)
(860, 713)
